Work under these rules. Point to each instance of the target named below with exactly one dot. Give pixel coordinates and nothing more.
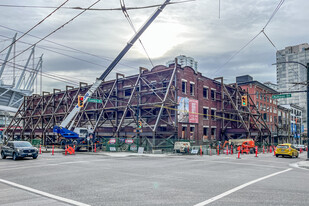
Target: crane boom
(97, 83)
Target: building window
(213, 114)
(127, 92)
(205, 113)
(205, 131)
(257, 105)
(257, 95)
(205, 92)
(213, 95)
(191, 89)
(213, 133)
(184, 87)
(192, 133)
(271, 119)
(183, 132)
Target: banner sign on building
(292, 128)
(187, 110)
(302, 129)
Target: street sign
(95, 100)
(279, 96)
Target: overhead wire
(250, 41)
(92, 9)
(68, 47)
(52, 76)
(37, 24)
(126, 14)
(54, 31)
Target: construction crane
(79, 134)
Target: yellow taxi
(286, 150)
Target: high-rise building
(271, 85)
(292, 77)
(184, 61)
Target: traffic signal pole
(307, 110)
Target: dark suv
(19, 149)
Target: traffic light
(80, 101)
(139, 124)
(244, 100)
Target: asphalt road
(153, 180)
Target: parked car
(286, 150)
(19, 149)
(300, 146)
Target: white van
(181, 147)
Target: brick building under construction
(171, 102)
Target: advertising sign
(187, 110)
(292, 128)
(129, 141)
(193, 111)
(112, 141)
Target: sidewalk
(303, 164)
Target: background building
(296, 123)
(290, 75)
(183, 61)
(16, 81)
(262, 97)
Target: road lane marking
(243, 163)
(239, 188)
(45, 194)
(52, 164)
(239, 163)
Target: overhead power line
(250, 41)
(91, 9)
(126, 14)
(35, 26)
(68, 47)
(55, 30)
(51, 76)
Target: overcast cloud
(192, 29)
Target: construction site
(153, 108)
(172, 104)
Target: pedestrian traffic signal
(139, 124)
(244, 100)
(80, 101)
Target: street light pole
(307, 83)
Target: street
(87, 179)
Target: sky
(193, 29)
